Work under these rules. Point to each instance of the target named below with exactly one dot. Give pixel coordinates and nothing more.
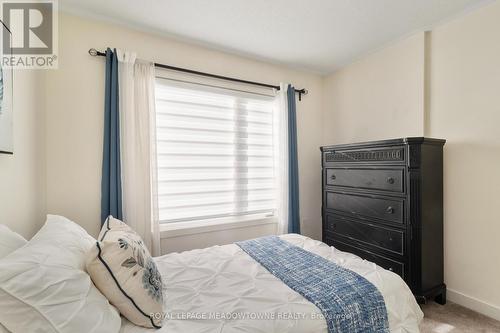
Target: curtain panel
(286, 160)
(293, 165)
(129, 163)
(281, 158)
(111, 187)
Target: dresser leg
(438, 294)
(441, 298)
(421, 299)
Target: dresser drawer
(377, 207)
(388, 239)
(389, 264)
(377, 179)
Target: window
(215, 152)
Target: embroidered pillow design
(122, 269)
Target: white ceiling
(317, 35)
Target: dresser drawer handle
(390, 180)
(333, 177)
(390, 210)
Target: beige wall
(465, 109)
(22, 175)
(75, 116)
(383, 96)
(380, 96)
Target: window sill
(171, 230)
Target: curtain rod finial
(93, 52)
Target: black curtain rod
(94, 53)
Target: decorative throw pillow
(9, 241)
(122, 268)
(44, 288)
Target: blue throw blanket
(348, 301)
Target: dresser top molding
(391, 142)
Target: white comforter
(222, 289)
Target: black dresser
(383, 201)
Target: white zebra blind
(215, 152)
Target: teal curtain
(293, 172)
(111, 187)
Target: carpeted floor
(452, 318)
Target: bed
(49, 284)
(223, 289)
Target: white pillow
(9, 241)
(44, 288)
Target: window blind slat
(205, 215)
(234, 132)
(205, 191)
(185, 105)
(206, 153)
(212, 136)
(226, 161)
(243, 121)
(223, 114)
(178, 176)
(235, 179)
(203, 124)
(204, 200)
(217, 185)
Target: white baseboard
(472, 303)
